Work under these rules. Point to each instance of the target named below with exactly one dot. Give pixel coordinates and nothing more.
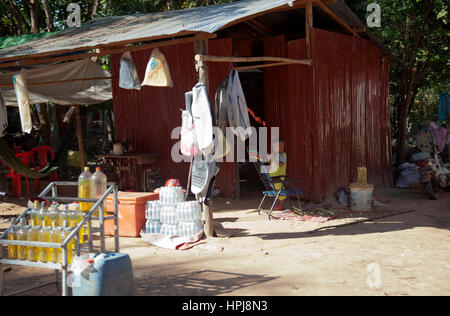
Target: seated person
(277, 168)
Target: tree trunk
(406, 93)
(34, 16)
(95, 9)
(48, 16)
(45, 124)
(404, 108)
(80, 138)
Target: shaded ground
(406, 254)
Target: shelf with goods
(70, 240)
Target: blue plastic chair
(287, 189)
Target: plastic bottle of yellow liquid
(34, 214)
(98, 187)
(53, 215)
(60, 217)
(21, 234)
(44, 252)
(33, 235)
(44, 218)
(80, 216)
(12, 249)
(55, 255)
(84, 189)
(64, 233)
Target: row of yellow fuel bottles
(49, 230)
(45, 234)
(53, 217)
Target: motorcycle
(433, 175)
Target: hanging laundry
(238, 111)
(439, 135)
(3, 115)
(203, 119)
(128, 77)
(222, 105)
(188, 139)
(204, 172)
(23, 100)
(444, 106)
(157, 73)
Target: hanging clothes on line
(203, 119)
(238, 112)
(204, 165)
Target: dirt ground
(404, 254)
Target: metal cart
(64, 267)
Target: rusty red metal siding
(334, 115)
(147, 117)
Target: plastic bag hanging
(129, 77)
(188, 141)
(23, 100)
(157, 73)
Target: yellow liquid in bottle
(84, 192)
(22, 250)
(62, 236)
(44, 252)
(33, 252)
(54, 253)
(12, 249)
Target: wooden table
(130, 169)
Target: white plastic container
(361, 197)
(99, 184)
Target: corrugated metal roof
(140, 27)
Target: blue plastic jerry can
(107, 275)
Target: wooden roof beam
(105, 51)
(327, 10)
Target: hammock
(61, 154)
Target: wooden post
(201, 47)
(80, 137)
(308, 26)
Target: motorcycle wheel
(431, 190)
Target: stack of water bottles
(169, 197)
(189, 215)
(172, 215)
(153, 216)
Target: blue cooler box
(111, 275)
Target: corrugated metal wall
(334, 116)
(147, 117)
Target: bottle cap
(98, 169)
(86, 168)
